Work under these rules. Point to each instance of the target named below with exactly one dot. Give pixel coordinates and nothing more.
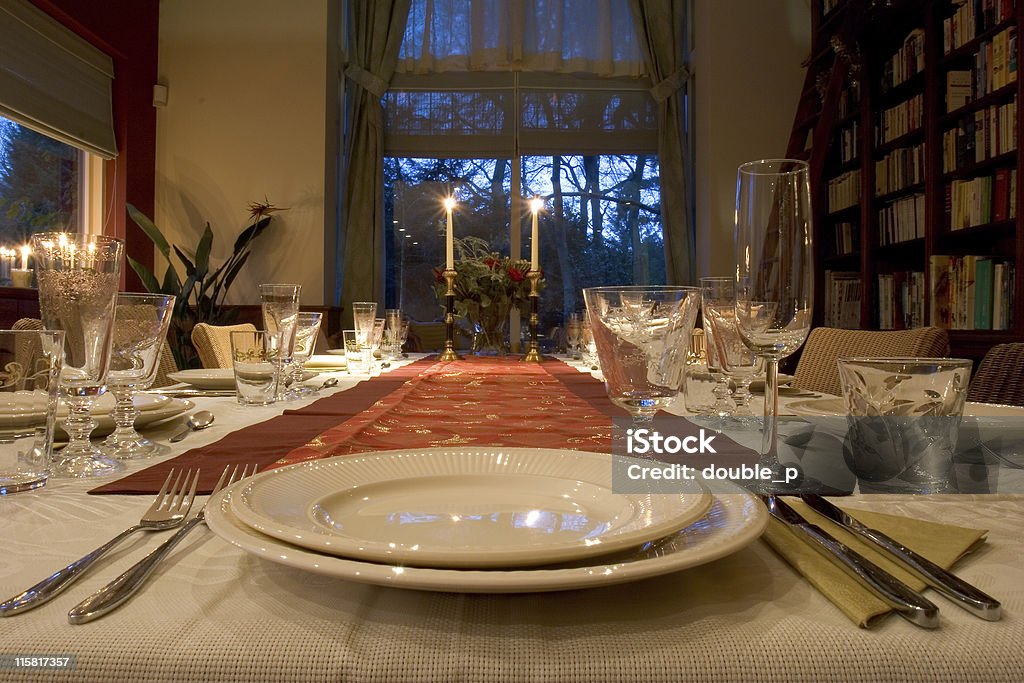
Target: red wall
(128, 31)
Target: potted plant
(202, 292)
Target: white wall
(246, 119)
(747, 56)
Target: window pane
(39, 180)
(601, 225)
(414, 190)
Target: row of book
(901, 220)
(849, 98)
(982, 200)
(901, 119)
(995, 63)
(845, 238)
(971, 292)
(848, 142)
(982, 135)
(901, 300)
(842, 299)
(971, 19)
(908, 61)
(899, 169)
(844, 191)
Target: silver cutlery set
(168, 511)
(905, 601)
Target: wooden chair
(1000, 376)
(213, 343)
(817, 369)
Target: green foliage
(201, 294)
(487, 285)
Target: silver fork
(118, 591)
(168, 510)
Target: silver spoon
(332, 382)
(201, 419)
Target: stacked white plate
(215, 378)
(16, 411)
(479, 520)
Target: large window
(601, 225)
(497, 102)
(40, 180)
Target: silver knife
(956, 589)
(909, 604)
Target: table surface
(212, 612)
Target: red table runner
(477, 401)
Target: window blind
(53, 81)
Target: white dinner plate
(734, 520)
(147, 418)
(16, 411)
(327, 361)
(473, 507)
(216, 378)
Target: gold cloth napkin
(943, 544)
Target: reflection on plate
(471, 507)
(734, 520)
(826, 405)
(168, 409)
(216, 378)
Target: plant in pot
(202, 292)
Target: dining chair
(1000, 376)
(817, 369)
(213, 342)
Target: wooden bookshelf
(888, 69)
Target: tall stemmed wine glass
(774, 272)
(78, 276)
(642, 335)
(140, 328)
(280, 314)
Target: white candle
(536, 204)
(449, 252)
(25, 251)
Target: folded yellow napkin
(943, 544)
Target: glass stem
(769, 452)
(124, 414)
(79, 424)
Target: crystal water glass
(255, 361)
(78, 276)
(774, 272)
(307, 327)
(140, 329)
(280, 310)
(393, 334)
(363, 315)
(737, 362)
(642, 335)
(30, 364)
(573, 331)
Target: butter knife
(956, 589)
(909, 604)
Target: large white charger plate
(474, 507)
(734, 520)
(215, 378)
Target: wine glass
(722, 407)
(393, 334)
(78, 276)
(140, 328)
(642, 335)
(774, 272)
(280, 310)
(737, 362)
(307, 327)
(573, 332)
(364, 313)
